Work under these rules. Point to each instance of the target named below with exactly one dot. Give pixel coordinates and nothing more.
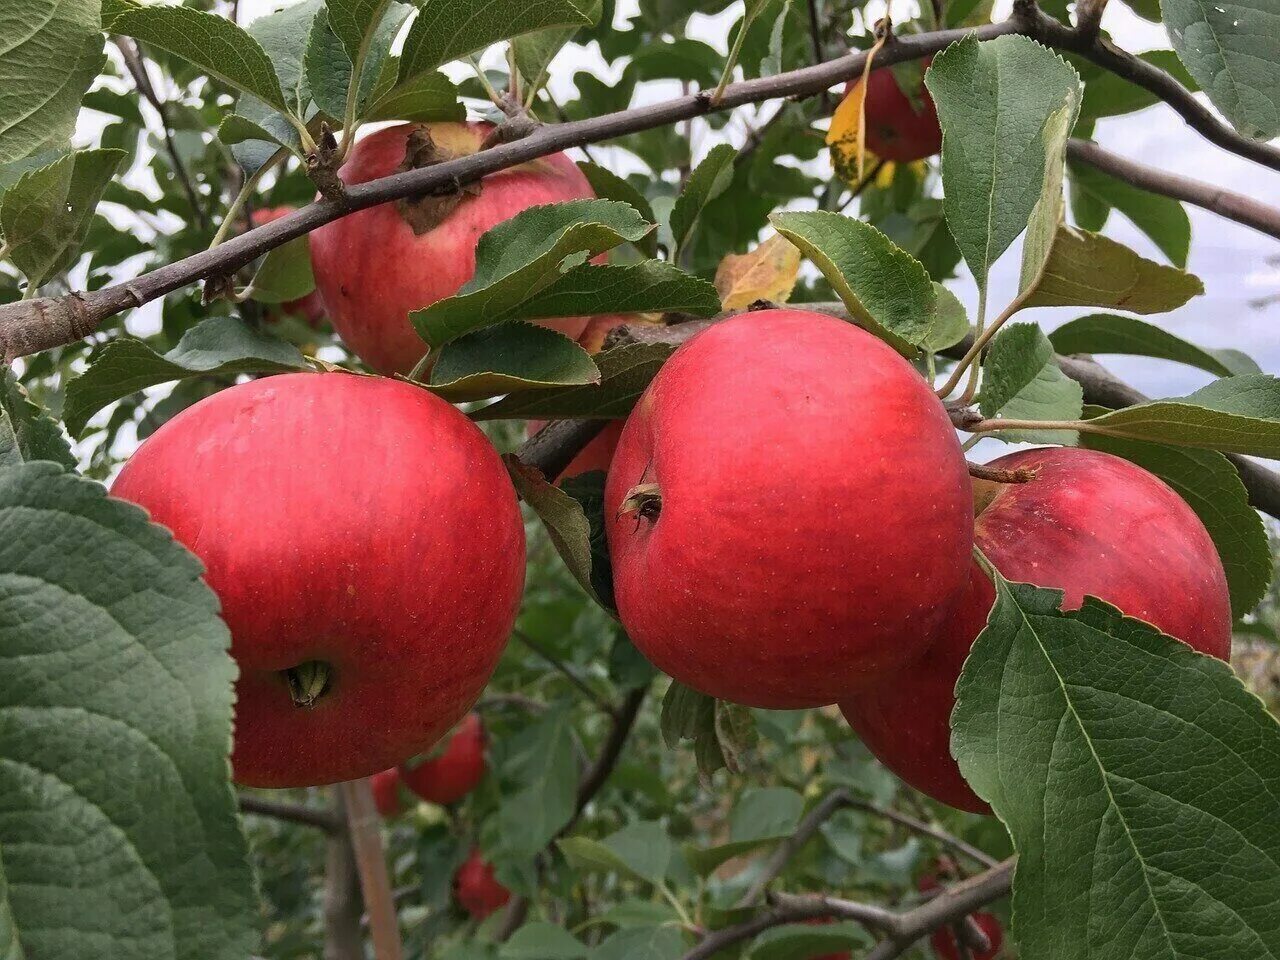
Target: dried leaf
(766, 273)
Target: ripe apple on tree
(386, 792)
(1088, 523)
(365, 617)
(789, 512)
(456, 770)
(375, 266)
(898, 126)
(477, 889)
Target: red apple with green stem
(377, 265)
(309, 308)
(365, 542)
(788, 512)
(454, 771)
(899, 127)
(477, 889)
(1088, 523)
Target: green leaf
(642, 943)
(1046, 216)
(284, 35)
(27, 432)
(447, 30)
(886, 290)
(1112, 333)
(542, 768)
(45, 215)
(510, 356)
(607, 185)
(235, 129)
(1109, 95)
(120, 836)
(219, 346)
(994, 99)
(1211, 486)
(285, 273)
(625, 371)
(650, 286)
(1232, 50)
(1163, 219)
(641, 850)
(588, 489)
(1105, 746)
(535, 51)
(51, 52)
(329, 67)
(759, 819)
(949, 323)
(804, 941)
(1238, 414)
(352, 20)
(1021, 380)
(521, 257)
(426, 98)
(209, 42)
(709, 179)
(1089, 270)
(542, 941)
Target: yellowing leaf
(766, 273)
(844, 137)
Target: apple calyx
(308, 682)
(427, 211)
(644, 500)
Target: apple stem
(308, 682)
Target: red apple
(944, 940)
(372, 268)
(596, 455)
(386, 792)
(309, 308)
(366, 544)
(898, 127)
(788, 512)
(451, 774)
(1089, 523)
(476, 888)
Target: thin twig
(326, 820)
(364, 827)
(563, 668)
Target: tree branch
(342, 905)
(326, 820)
(364, 829)
(952, 905)
(1225, 203)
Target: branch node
(322, 166)
(517, 125)
(705, 100)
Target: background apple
(1089, 523)
(900, 128)
(773, 453)
(456, 770)
(386, 792)
(381, 607)
(476, 888)
(375, 266)
(945, 947)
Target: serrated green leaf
(219, 346)
(426, 98)
(50, 53)
(284, 35)
(115, 663)
(886, 290)
(45, 215)
(607, 185)
(507, 357)
(212, 43)
(1163, 219)
(447, 30)
(1021, 380)
(1211, 486)
(625, 371)
(1238, 414)
(949, 323)
(650, 286)
(352, 20)
(1104, 745)
(542, 941)
(285, 273)
(328, 67)
(27, 432)
(994, 99)
(535, 51)
(1089, 270)
(1232, 50)
(709, 179)
(521, 257)
(1112, 333)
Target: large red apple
(456, 770)
(789, 512)
(386, 792)
(377, 265)
(900, 128)
(309, 308)
(365, 542)
(1089, 523)
(476, 888)
(945, 947)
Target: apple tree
(492, 481)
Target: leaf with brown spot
(766, 273)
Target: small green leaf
(607, 185)
(510, 356)
(1163, 219)
(709, 179)
(219, 346)
(625, 371)
(27, 432)
(535, 51)
(209, 42)
(447, 30)
(1046, 215)
(285, 273)
(329, 67)
(1112, 333)
(120, 836)
(650, 286)
(1021, 380)
(994, 99)
(640, 850)
(804, 941)
(1238, 414)
(1101, 743)
(1210, 484)
(235, 129)
(949, 323)
(542, 941)
(284, 35)
(426, 98)
(1089, 270)
(886, 290)
(642, 943)
(539, 774)
(521, 257)
(759, 820)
